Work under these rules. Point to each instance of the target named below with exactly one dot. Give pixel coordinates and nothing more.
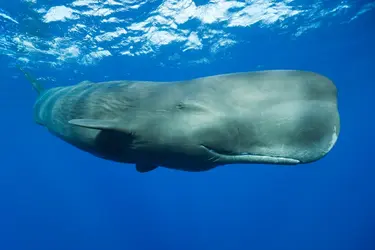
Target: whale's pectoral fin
(100, 124)
(144, 167)
(95, 124)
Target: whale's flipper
(95, 124)
(36, 85)
(144, 168)
(111, 125)
(101, 124)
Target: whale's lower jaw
(249, 158)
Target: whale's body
(270, 117)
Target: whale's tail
(36, 85)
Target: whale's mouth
(244, 157)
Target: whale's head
(294, 119)
(291, 133)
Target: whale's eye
(180, 106)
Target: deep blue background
(53, 196)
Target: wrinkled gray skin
(269, 117)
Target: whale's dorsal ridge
(85, 82)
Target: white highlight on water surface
(363, 10)
(60, 13)
(117, 27)
(8, 18)
(109, 36)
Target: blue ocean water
(53, 196)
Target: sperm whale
(283, 117)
